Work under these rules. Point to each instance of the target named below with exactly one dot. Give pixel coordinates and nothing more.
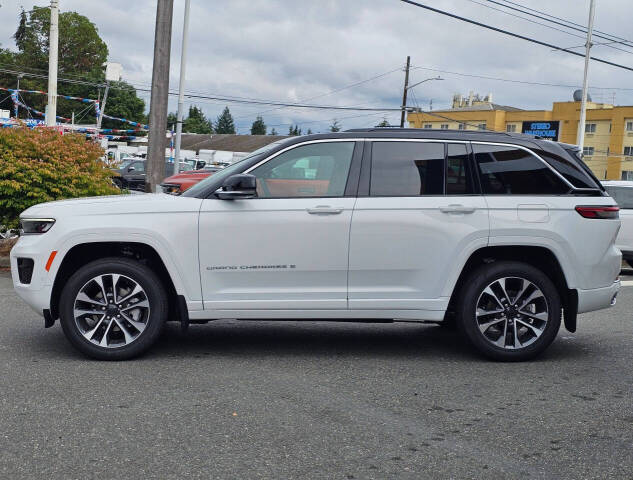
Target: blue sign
(546, 130)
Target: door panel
(403, 250)
(273, 253)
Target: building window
(588, 151)
(481, 126)
(444, 126)
(462, 126)
(511, 128)
(428, 125)
(628, 151)
(590, 128)
(629, 126)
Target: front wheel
(113, 309)
(510, 311)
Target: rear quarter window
(509, 170)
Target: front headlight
(35, 226)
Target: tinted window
(622, 195)
(513, 171)
(316, 170)
(458, 174)
(406, 169)
(568, 169)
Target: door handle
(325, 210)
(457, 209)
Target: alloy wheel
(512, 313)
(111, 310)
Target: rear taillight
(599, 212)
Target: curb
(5, 262)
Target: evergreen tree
(335, 127)
(197, 122)
(225, 123)
(259, 127)
(384, 123)
(309, 131)
(273, 131)
(294, 131)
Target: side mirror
(237, 186)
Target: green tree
(225, 123)
(82, 53)
(309, 131)
(294, 131)
(197, 122)
(273, 131)
(384, 123)
(335, 127)
(259, 127)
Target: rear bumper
(597, 298)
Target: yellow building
(608, 130)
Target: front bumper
(597, 298)
(36, 293)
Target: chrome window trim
(296, 145)
(420, 140)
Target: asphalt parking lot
(301, 400)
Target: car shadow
(309, 339)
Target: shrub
(6, 246)
(41, 165)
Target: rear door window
(509, 170)
(407, 169)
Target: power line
(512, 34)
(525, 82)
(331, 92)
(582, 28)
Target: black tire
(473, 289)
(140, 274)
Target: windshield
(230, 170)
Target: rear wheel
(510, 311)
(113, 309)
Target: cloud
(292, 50)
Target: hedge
(42, 165)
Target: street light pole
(51, 108)
(585, 83)
(181, 87)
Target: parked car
(622, 193)
(132, 174)
(176, 184)
(478, 227)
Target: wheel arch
(84, 253)
(537, 256)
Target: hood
(113, 204)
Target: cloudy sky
(303, 50)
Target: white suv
(500, 233)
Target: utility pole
(155, 167)
(181, 87)
(406, 90)
(51, 108)
(585, 83)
